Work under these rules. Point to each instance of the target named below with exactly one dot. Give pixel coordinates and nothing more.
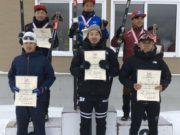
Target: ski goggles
(137, 14)
(29, 39)
(147, 37)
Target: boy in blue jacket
(32, 63)
(87, 19)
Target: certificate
(148, 79)
(43, 35)
(25, 97)
(95, 72)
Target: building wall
(10, 27)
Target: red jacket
(129, 42)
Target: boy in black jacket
(145, 58)
(32, 63)
(94, 93)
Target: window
(65, 8)
(165, 15)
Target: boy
(94, 93)
(32, 63)
(87, 19)
(144, 58)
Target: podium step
(71, 121)
(53, 127)
(164, 127)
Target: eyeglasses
(28, 38)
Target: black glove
(74, 26)
(119, 31)
(39, 91)
(50, 40)
(104, 23)
(85, 65)
(104, 64)
(20, 36)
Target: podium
(164, 127)
(71, 122)
(53, 127)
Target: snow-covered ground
(7, 112)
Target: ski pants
(137, 110)
(37, 115)
(47, 101)
(86, 109)
(126, 101)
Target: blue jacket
(32, 64)
(95, 20)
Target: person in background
(85, 20)
(130, 39)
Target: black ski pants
(37, 115)
(126, 101)
(137, 110)
(86, 109)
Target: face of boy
(29, 47)
(146, 46)
(40, 15)
(88, 7)
(138, 21)
(94, 37)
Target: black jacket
(41, 24)
(147, 61)
(94, 88)
(32, 64)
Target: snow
(7, 113)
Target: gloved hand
(39, 91)
(104, 64)
(50, 40)
(85, 65)
(104, 23)
(15, 89)
(74, 26)
(20, 36)
(119, 31)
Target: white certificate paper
(95, 72)
(25, 97)
(148, 79)
(43, 35)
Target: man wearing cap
(32, 63)
(130, 38)
(144, 58)
(87, 19)
(41, 20)
(94, 93)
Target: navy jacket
(146, 61)
(94, 88)
(32, 64)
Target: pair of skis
(122, 27)
(75, 44)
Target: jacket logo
(154, 62)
